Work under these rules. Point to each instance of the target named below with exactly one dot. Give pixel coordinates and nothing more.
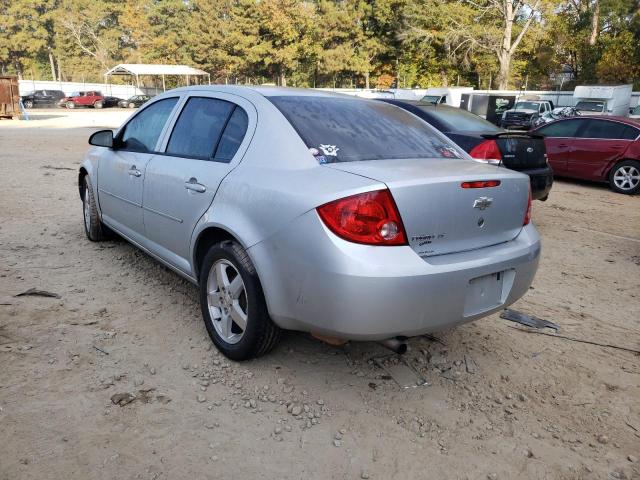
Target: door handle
(194, 186)
(563, 145)
(134, 171)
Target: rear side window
(208, 129)
(142, 132)
(563, 128)
(349, 130)
(232, 136)
(606, 130)
(458, 120)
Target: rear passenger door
(559, 138)
(208, 139)
(599, 145)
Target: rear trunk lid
(439, 215)
(522, 151)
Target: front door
(121, 170)
(207, 141)
(597, 148)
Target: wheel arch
(615, 163)
(81, 174)
(208, 236)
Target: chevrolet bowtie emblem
(482, 203)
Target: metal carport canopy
(137, 69)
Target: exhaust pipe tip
(398, 345)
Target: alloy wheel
(626, 177)
(227, 301)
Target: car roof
(266, 91)
(629, 121)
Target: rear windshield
(590, 106)
(458, 120)
(351, 130)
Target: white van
(449, 95)
(603, 99)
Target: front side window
(348, 130)
(562, 129)
(142, 132)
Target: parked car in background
(108, 102)
(634, 112)
(484, 141)
(603, 149)
(90, 98)
(291, 210)
(42, 98)
(134, 102)
(526, 113)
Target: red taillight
(527, 215)
(487, 151)
(480, 184)
(371, 218)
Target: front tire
(233, 306)
(625, 177)
(98, 104)
(93, 227)
(28, 104)
(70, 105)
(132, 105)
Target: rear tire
(98, 104)
(28, 104)
(229, 283)
(132, 105)
(625, 177)
(93, 227)
(70, 105)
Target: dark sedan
(42, 98)
(134, 102)
(484, 141)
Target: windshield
(348, 130)
(458, 120)
(527, 106)
(435, 99)
(590, 106)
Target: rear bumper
(541, 181)
(314, 281)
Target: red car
(83, 99)
(600, 148)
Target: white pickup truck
(525, 114)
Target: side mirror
(102, 138)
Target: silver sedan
(312, 211)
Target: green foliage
(416, 43)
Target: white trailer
(603, 99)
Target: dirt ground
(502, 403)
